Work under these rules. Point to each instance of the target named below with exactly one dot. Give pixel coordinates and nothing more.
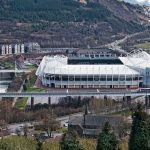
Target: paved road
(67, 92)
(114, 46)
(63, 120)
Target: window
(71, 78)
(77, 78)
(122, 78)
(96, 78)
(103, 79)
(109, 78)
(115, 78)
(64, 78)
(57, 78)
(84, 78)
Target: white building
(2, 49)
(9, 49)
(134, 72)
(12, 49)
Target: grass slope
(21, 103)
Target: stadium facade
(133, 72)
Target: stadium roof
(137, 59)
(58, 65)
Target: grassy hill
(52, 10)
(61, 11)
(65, 23)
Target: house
(91, 125)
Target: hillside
(61, 23)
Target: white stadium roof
(137, 59)
(58, 65)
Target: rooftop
(59, 65)
(137, 59)
(95, 120)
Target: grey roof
(95, 120)
(91, 131)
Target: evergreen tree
(140, 132)
(70, 142)
(39, 145)
(106, 139)
(24, 87)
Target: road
(63, 120)
(68, 92)
(115, 46)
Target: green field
(34, 89)
(7, 65)
(22, 143)
(21, 103)
(145, 46)
(30, 85)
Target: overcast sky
(144, 2)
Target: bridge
(72, 93)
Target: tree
(106, 139)
(50, 123)
(24, 87)
(39, 145)
(70, 142)
(25, 130)
(140, 132)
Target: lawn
(87, 144)
(145, 46)
(17, 143)
(7, 64)
(124, 112)
(31, 67)
(30, 84)
(34, 89)
(21, 103)
(22, 143)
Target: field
(30, 84)
(145, 46)
(7, 65)
(22, 143)
(21, 103)
(33, 89)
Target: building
(129, 72)
(91, 125)
(12, 49)
(31, 47)
(2, 50)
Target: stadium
(129, 72)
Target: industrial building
(128, 72)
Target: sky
(142, 2)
